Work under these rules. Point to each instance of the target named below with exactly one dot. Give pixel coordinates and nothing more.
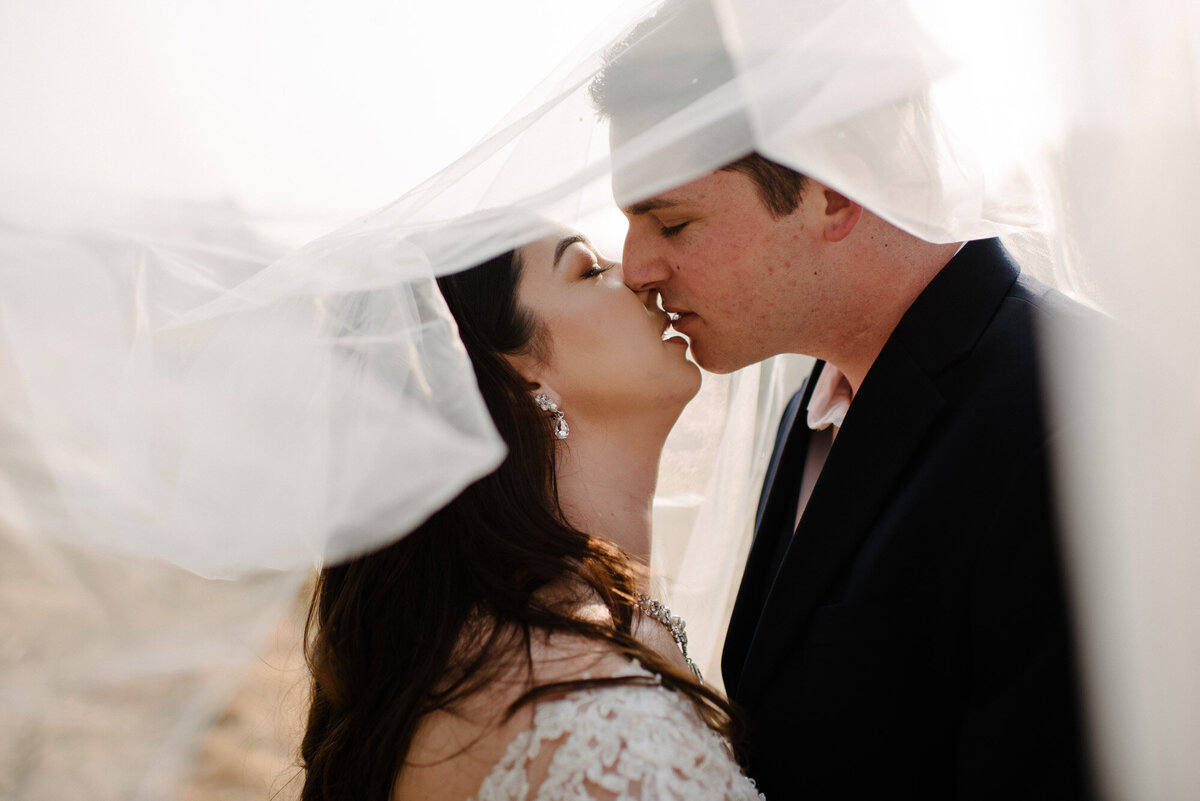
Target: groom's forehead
(638, 194)
(655, 161)
(700, 192)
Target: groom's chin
(714, 360)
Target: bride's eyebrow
(565, 243)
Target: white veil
(193, 416)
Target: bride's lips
(668, 333)
(671, 327)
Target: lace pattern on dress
(631, 742)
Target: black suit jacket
(911, 640)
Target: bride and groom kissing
(901, 628)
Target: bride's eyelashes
(595, 270)
(672, 230)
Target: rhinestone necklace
(658, 611)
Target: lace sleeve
(619, 743)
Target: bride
(506, 648)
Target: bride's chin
(694, 386)
(668, 395)
(685, 392)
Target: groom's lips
(680, 318)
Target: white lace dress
(618, 743)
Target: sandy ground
(250, 753)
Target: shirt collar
(830, 399)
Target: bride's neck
(606, 480)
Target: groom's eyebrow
(565, 243)
(651, 204)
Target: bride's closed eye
(596, 270)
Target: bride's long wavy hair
(387, 638)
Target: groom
(902, 628)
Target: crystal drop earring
(561, 429)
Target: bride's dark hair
(429, 620)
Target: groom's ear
(839, 215)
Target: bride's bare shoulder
(455, 749)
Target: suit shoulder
(1045, 311)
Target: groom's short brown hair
(668, 61)
(779, 187)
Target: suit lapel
(771, 522)
(889, 419)
(786, 443)
(845, 502)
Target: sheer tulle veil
(197, 411)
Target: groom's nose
(644, 264)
